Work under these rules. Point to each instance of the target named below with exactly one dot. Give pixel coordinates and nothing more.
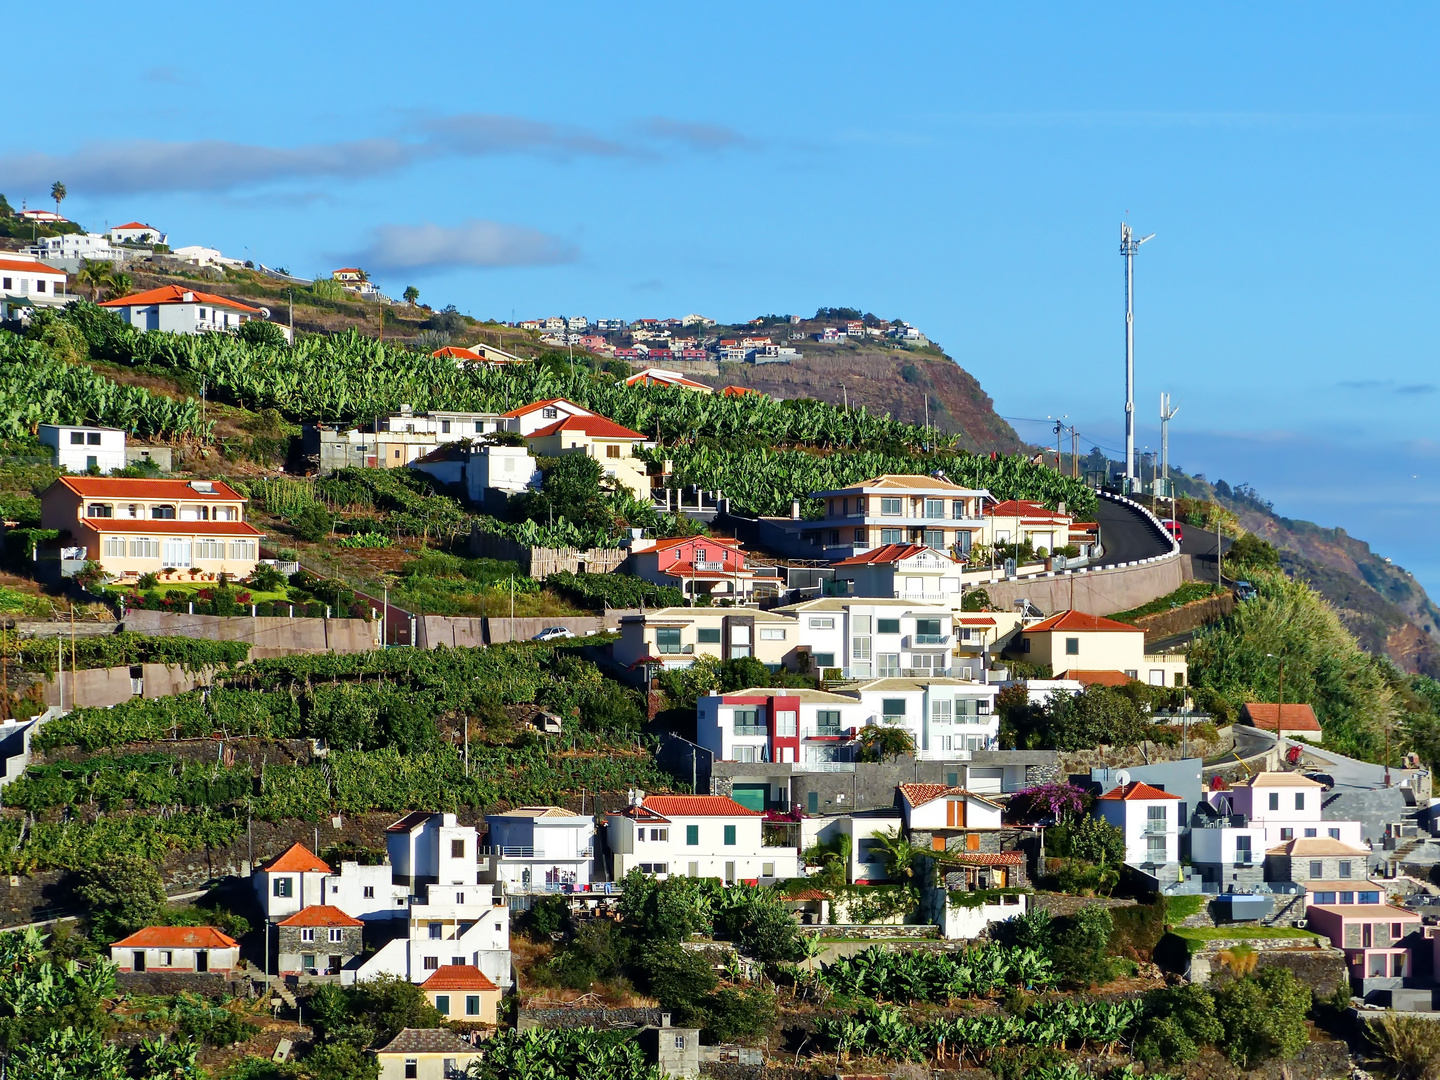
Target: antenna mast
(1166, 415)
(1128, 246)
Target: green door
(751, 796)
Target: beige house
(899, 509)
(1016, 521)
(133, 527)
(609, 443)
(425, 1054)
(462, 993)
(654, 641)
(1071, 641)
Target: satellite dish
(1122, 777)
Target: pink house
(1376, 940)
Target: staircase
(279, 989)
(1288, 908)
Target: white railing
(822, 766)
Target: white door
(985, 781)
(175, 551)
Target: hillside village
(437, 706)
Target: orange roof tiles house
(902, 571)
(666, 377)
(319, 938)
(709, 836)
(611, 444)
(697, 565)
(291, 881)
(1288, 720)
(1076, 641)
(134, 526)
(1150, 819)
(178, 310)
(462, 993)
(26, 282)
(176, 949)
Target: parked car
(1244, 590)
(552, 633)
(1173, 528)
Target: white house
(176, 950)
(898, 509)
(867, 860)
(778, 725)
(544, 414)
(1286, 806)
(292, 880)
(367, 893)
(70, 250)
(698, 836)
(179, 310)
(26, 282)
(902, 571)
(539, 849)
(445, 425)
(943, 811)
(197, 255)
(873, 637)
(948, 718)
(136, 232)
(79, 448)
(1148, 817)
(507, 469)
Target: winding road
(1127, 534)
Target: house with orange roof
(942, 817)
(319, 940)
(1289, 721)
(463, 994)
(666, 377)
(27, 283)
(696, 836)
(1150, 820)
(542, 414)
(698, 566)
(901, 571)
(197, 950)
(612, 445)
(176, 309)
(1072, 641)
(1020, 521)
(136, 232)
(898, 509)
(136, 526)
(291, 881)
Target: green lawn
(1240, 933)
(256, 595)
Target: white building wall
(1131, 816)
(365, 892)
(510, 469)
(962, 923)
(305, 890)
(709, 857)
(108, 451)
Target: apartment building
(535, 849)
(949, 719)
(875, 637)
(897, 509)
(655, 641)
(698, 836)
(781, 725)
(902, 571)
(1150, 820)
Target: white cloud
(471, 243)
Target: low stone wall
(582, 1016)
(168, 983)
(1320, 967)
(1164, 624)
(268, 636)
(1061, 904)
(1095, 592)
(433, 631)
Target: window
(307, 961)
(412, 1068)
(827, 722)
(767, 869)
(1397, 931)
(887, 626)
(934, 508)
(432, 963)
(892, 536)
(667, 641)
(549, 412)
(822, 624)
(1072, 646)
(397, 455)
(1155, 819)
(175, 551)
(144, 547)
(708, 635)
(1334, 834)
(1242, 851)
(654, 868)
(202, 513)
(893, 708)
(1317, 869)
(1322, 898)
(772, 635)
(679, 1042)
(284, 886)
(77, 438)
(472, 1004)
(209, 548)
(92, 438)
(659, 835)
(337, 934)
(940, 712)
(1347, 897)
(369, 892)
(824, 659)
(99, 510)
(436, 930)
(692, 835)
(889, 665)
(786, 723)
(458, 960)
(457, 849)
(747, 722)
(729, 835)
(1274, 800)
(1369, 897)
(162, 513)
(242, 549)
(113, 547)
(459, 898)
(891, 507)
(1287, 834)
(442, 1004)
(927, 632)
(1299, 800)
(167, 958)
(1310, 833)
(745, 755)
(307, 933)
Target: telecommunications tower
(1128, 246)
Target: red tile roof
(1018, 507)
(31, 266)
(676, 541)
(454, 352)
(986, 858)
(135, 225)
(810, 893)
(1078, 620)
(1137, 790)
(920, 794)
(457, 977)
(297, 859)
(409, 821)
(172, 526)
(176, 937)
(738, 391)
(175, 294)
(526, 410)
(320, 915)
(971, 620)
(697, 806)
(119, 487)
(885, 553)
(1101, 678)
(1297, 717)
(665, 378)
(597, 427)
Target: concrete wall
(1095, 592)
(432, 631)
(269, 637)
(540, 563)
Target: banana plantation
(890, 975)
(541, 1054)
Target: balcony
(926, 641)
(706, 567)
(822, 766)
(829, 731)
(1157, 828)
(520, 851)
(750, 730)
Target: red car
(1173, 528)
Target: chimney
(1060, 509)
(664, 1019)
(794, 509)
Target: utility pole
(1166, 415)
(1128, 246)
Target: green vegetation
(601, 591)
(582, 1051)
(902, 977)
(1186, 594)
(124, 649)
(1240, 933)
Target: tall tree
(58, 193)
(410, 295)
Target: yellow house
(609, 443)
(136, 526)
(655, 641)
(462, 993)
(425, 1054)
(1073, 642)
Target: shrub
(1081, 941)
(123, 892)
(1179, 1022)
(1408, 1044)
(1138, 929)
(1263, 1016)
(261, 332)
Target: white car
(552, 633)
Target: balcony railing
(751, 729)
(521, 851)
(1156, 828)
(707, 567)
(822, 766)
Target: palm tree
(120, 284)
(410, 295)
(58, 193)
(94, 274)
(899, 854)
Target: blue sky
(963, 167)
